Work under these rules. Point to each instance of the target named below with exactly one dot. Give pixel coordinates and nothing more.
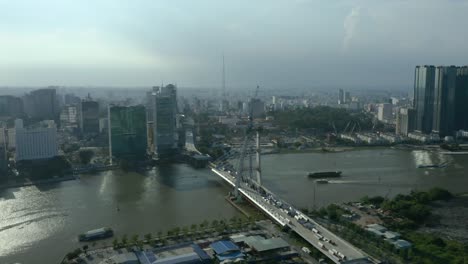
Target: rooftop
(260, 244)
(224, 247)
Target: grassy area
(405, 213)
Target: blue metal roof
(224, 246)
(190, 258)
(233, 255)
(200, 252)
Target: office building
(405, 121)
(127, 132)
(42, 104)
(89, 117)
(443, 120)
(424, 81)
(440, 96)
(385, 112)
(39, 142)
(461, 99)
(69, 117)
(341, 95)
(10, 106)
(164, 103)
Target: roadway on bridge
(282, 218)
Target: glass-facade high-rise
(127, 132)
(424, 79)
(461, 99)
(443, 122)
(440, 99)
(164, 103)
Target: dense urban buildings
(35, 143)
(164, 104)
(440, 95)
(42, 104)
(127, 132)
(89, 117)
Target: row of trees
(194, 230)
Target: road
(270, 206)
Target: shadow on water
(128, 186)
(48, 186)
(184, 178)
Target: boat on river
(100, 233)
(325, 174)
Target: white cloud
(79, 49)
(350, 24)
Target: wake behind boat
(433, 166)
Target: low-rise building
(35, 143)
(423, 138)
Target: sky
(273, 43)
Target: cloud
(79, 49)
(350, 24)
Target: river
(39, 224)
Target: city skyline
(371, 45)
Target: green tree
(148, 237)
(159, 234)
(135, 239)
(124, 240)
(85, 156)
(115, 243)
(185, 230)
(214, 223)
(193, 227)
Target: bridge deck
(283, 219)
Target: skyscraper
(42, 104)
(443, 122)
(89, 117)
(461, 99)
(164, 103)
(424, 80)
(127, 132)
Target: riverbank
(28, 182)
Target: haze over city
(249, 131)
(301, 43)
